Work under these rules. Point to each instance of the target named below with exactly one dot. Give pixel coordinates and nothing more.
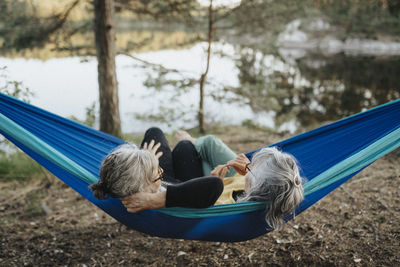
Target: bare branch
(140, 11)
(171, 7)
(231, 11)
(159, 66)
(62, 18)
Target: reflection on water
(83, 44)
(317, 89)
(244, 86)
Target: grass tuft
(18, 167)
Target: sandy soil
(45, 223)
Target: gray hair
(274, 178)
(124, 171)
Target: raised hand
(239, 164)
(220, 171)
(152, 147)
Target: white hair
(274, 178)
(124, 171)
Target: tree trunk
(110, 121)
(204, 75)
(201, 105)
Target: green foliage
(168, 115)
(174, 81)
(15, 166)
(173, 84)
(250, 124)
(134, 138)
(66, 28)
(90, 118)
(91, 115)
(23, 27)
(366, 19)
(353, 18)
(267, 18)
(13, 88)
(18, 166)
(19, 26)
(164, 10)
(308, 95)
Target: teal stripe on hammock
(355, 162)
(339, 171)
(348, 166)
(43, 149)
(218, 210)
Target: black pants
(183, 171)
(182, 163)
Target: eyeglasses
(160, 175)
(247, 168)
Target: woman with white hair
(176, 175)
(272, 176)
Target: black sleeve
(196, 193)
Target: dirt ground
(45, 223)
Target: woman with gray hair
(272, 177)
(128, 170)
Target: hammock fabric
(328, 156)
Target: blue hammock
(328, 156)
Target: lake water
(279, 91)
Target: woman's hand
(152, 147)
(239, 164)
(220, 171)
(144, 201)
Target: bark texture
(203, 77)
(110, 121)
